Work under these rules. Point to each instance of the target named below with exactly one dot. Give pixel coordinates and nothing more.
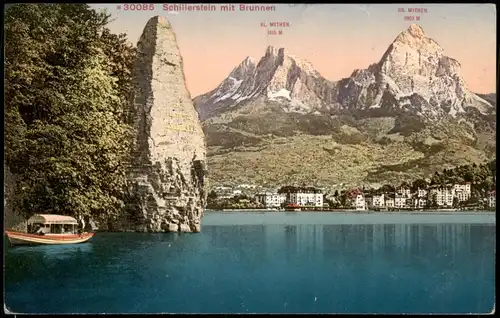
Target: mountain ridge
(412, 90)
(287, 77)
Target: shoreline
(444, 211)
(346, 218)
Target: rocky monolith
(167, 178)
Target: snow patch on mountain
(230, 92)
(283, 93)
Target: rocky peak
(278, 76)
(416, 31)
(413, 66)
(166, 177)
(246, 67)
(272, 51)
(415, 38)
(412, 60)
(249, 61)
(158, 20)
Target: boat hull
(19, 238)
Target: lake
(268, 262)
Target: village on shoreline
(465, 188)
(451, 197)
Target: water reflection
(370, 240)
(248, 243)
(447, 238)
(431, 264)
(324, 268)
(291, 240)
(104, 253)
(53, 252)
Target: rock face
(167, 178)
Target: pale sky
(335, 38)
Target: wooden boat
(49, 229)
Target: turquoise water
(267, 263)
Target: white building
(270, 200)
(418, 203)
(444, 196)
(378, 201)
(389, 202)
(305, 197)
(462, 191)
(492, 199)
(400, 201)
(404, 191)
(421, 193)
(223, 188)
(224, 192)
(359, 202)
(356, 199)
(247, 186)
(369, 201)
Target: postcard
(249, 158)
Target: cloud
(173, 12)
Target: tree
(387, 188)
(239, 197)
(456, 202)
(66, 108)
(475, 197)
(212, 195)
(437, 179)
(433, 204)
(344, 199)
(336, 194)
(327, 201)
(468, 176)
(486, 185)
(419, 183)
(493, 166)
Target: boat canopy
(52, 219)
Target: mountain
(279, 76)
(405, 116)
